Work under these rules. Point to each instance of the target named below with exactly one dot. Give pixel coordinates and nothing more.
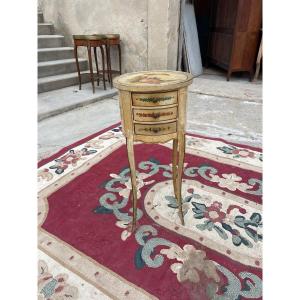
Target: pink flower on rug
(214, 213)
(243, 153)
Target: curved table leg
(181, 153)
(130, 153)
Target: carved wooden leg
(96, 62)
(103, 67)
(181, 152)
(91, 68)
(77, 66)
(130, 153)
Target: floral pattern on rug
(191, 262)
(229, 223)
(54, 287)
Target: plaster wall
(148, 28)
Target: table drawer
(154, 99)
(155, 115)
(155, 129)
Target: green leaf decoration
(209, 225)
(246, 242)
(154, 160)
(236, 240)
(240, 221)
(198, 215)
(199, 207)
(172, 201)
(102, 210)
(226, 150)
(227, 227)
(201, 226)
(138, 261)
(252, 234)
(187, 199)
(196, 196)
(221, 232)
(256, 218)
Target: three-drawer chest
(153, 110)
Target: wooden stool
(153, 110)
(91, 41)
(112, 40)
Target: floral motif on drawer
(154, 99)
(155, 129)
(155, 114)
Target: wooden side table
(112, 40)
(153, 110)
(91, 41)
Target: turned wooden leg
(120, 60)
(130, 153)
(96, 62)
(91, 67)
(181, 153)
(77, 66)
(103, 67)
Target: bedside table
(153, 110)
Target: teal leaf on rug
(138, 260)
(154, 160)
(102, 210)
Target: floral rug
(84, 207)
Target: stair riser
(50, 42)
(44, 71)
(40, 18)
(55, 85)
(45, 29)
(55, 55)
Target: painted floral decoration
(71, 158)
(191, 262)
(54, 287)
(230, 181)
(44, 174)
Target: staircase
(56, 62)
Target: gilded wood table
(153, 110)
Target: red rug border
(69, 147)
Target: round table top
(153, 81)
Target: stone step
(55, 82)
(40, 17)
(47, 54)
(62, 66)
(50, 41)
(45, 28)
(59, 101)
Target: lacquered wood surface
(153, 110)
